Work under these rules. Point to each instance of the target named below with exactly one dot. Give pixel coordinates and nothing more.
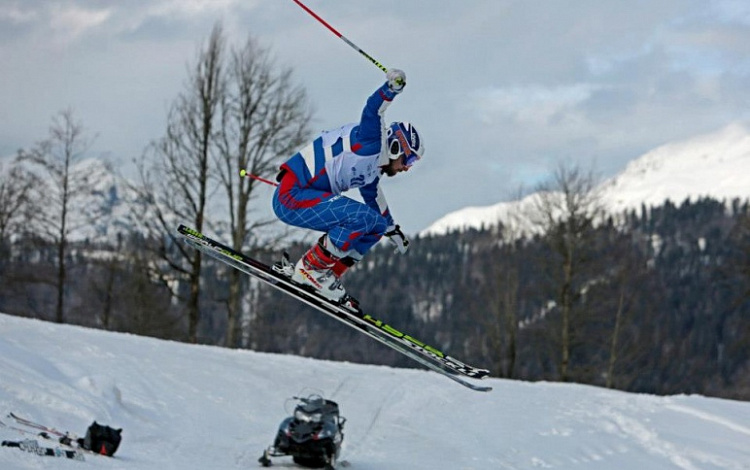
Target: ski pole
(245, 174)
(354, 46)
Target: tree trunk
(566, 307)
(613, 342)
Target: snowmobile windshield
(308, 417)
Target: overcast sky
(502, 91)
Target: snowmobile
(312, 435)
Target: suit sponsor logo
(310, 278)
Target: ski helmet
(403, 139)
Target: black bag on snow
(101, 439)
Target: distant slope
(715, 165)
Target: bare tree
(626, 276)
(566, 210)
(176, 183)
(264, 118)
(17, 207)
(238, 112)
(16, 201)
(499, 295)
(65, 183)
(499, 292)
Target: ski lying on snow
(32, 446)
(428, 356)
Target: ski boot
(320, 270)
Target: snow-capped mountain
(99, 203)
(101, 206)
(107, 208)
(716, 165)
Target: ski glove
(396, 80)
(397, 238)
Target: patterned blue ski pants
(350, 224)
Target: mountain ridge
(713, 165)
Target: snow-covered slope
(197, 407)
(715, 165)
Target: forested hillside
(657, 302)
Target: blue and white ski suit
(312, 180)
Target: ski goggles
(399, 146)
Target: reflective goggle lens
(400, 143)
(395, 148)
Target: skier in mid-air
(312, 180)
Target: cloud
(65, 22)
(70, 21)
(15, 14)
(189, 8)
(531, 104)
(52, 25)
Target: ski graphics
(39, 430)
(32, 446)
(429, 356)
(50, 434)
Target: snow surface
(715, 165)
(199, 407)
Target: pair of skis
(65, 449)
(429, 356)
